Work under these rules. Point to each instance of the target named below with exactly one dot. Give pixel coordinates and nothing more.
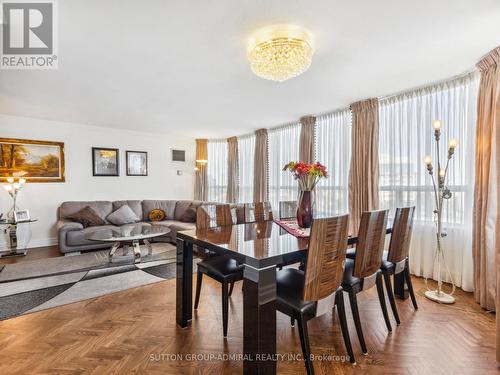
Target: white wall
(42, 199)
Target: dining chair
(259, 211)
(363, 272)
(220, 268)
(304, 295)
(395, 260)
(213, 215)
(238, 212)
(288, 209)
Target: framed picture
(105, 161)
(137, 163)
(35, 161)
(21, 215)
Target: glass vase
(305, 209)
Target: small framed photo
(105, 162)
(137, 163)
(21, 216)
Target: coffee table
(130, 234)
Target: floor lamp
(441, 192)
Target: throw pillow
(87, 217)
(156, 215)
(123, 215)
(189, 216)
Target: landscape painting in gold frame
(35, 161)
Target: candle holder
(13, 188)
(441, 192)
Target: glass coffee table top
(129, 232)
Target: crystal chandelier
(280, 52)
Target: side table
(11, 230)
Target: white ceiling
(181, 66)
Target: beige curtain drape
(486, 227)
(363, 174)
(200, 182)
(306, 143)
(260, 183)
(232, 170)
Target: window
(405, 137)
(246, 153)
(333, 149)
(283, 143)
(217, 170)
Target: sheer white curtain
(246, 151)
(283, 147)
(406, 136)
(333, 149)
(217, 170)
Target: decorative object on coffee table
(307, 176)
(441, 192)
(34, 161)
(105, 161)
(137, 163)
(13, 187)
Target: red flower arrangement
(307, 175)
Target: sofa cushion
(182, 206)
(167, 206)
(87, 217)
(136, 206)
(156, 215)
(189, 216)
(79, 237)
(123, 215)
(101, 208)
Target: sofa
(73, 236)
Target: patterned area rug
(38, 285)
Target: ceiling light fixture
(280, 52)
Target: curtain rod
(428, 85)
(381, 98)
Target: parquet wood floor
(128, 332)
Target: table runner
(291, 226)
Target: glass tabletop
(256, 240)
(257, 244)
(11, 222)
(129, 232)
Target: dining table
(261, 247)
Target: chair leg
(304, 342)
(231, 286)
(225, 307)
(199, 280)
(380, 292)
(390, 294)
(357, 322)
(292, 321)
(339, 301)
(410, 286)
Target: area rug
(83, 262)
(42, 284)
